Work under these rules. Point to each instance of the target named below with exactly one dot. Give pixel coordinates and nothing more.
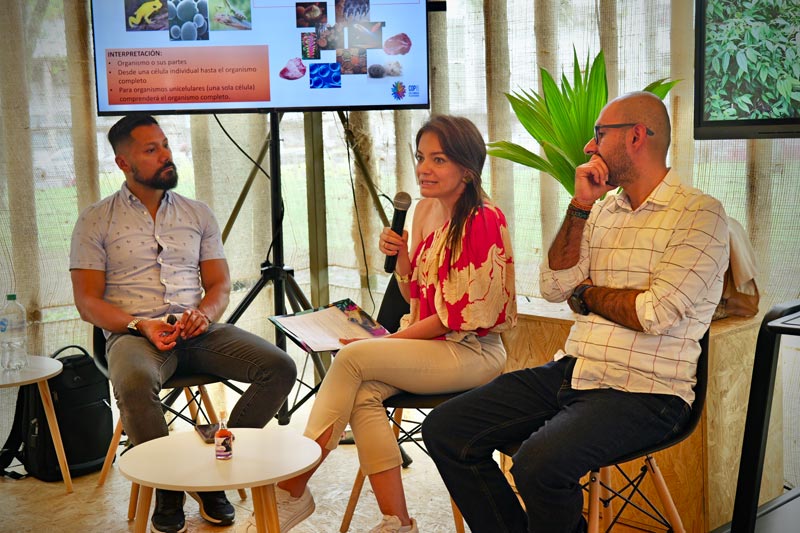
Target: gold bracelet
(402, 279)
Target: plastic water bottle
(13, 334)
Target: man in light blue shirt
(145, 253)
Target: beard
(620, 169)
(164, 179)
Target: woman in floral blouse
(459, 280)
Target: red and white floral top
(474, 292)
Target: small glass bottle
(223, 438)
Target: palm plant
(562, 120)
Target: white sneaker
(291, 511)
(391, 524)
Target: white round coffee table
(38, 370)
(182, 461)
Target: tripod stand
(282, 278)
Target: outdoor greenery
(561, 120)
(752, 59)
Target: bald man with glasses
(642, 268)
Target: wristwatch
(576, 301)
(132, 327)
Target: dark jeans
(137, 370)
(564, 433)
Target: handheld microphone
(402, 201)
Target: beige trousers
(366, 372)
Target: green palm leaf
(561, 119)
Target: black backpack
(83, 410)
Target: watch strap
(577, 301)
(132, 329)
(580, 289)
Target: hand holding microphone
(402, 201)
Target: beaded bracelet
(573, 211)
(580, 205)
(578, 210)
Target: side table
(183, 461)
(38, 370)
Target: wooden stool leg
(133, 501)
(358, 484)
(398, 419)
(594, 502)
(112, 451)
(663, 494)
(459, 520)
(209, 406)
(606, 511)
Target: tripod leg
(248, 298)
(297, 299)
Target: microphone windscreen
(402, 201)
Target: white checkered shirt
(674, 247)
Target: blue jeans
(137, 370)
(564, 433)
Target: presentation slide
(173, 56)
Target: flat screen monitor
(747, 67)
(211, 56)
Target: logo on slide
(398, 90)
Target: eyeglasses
(597, 129)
